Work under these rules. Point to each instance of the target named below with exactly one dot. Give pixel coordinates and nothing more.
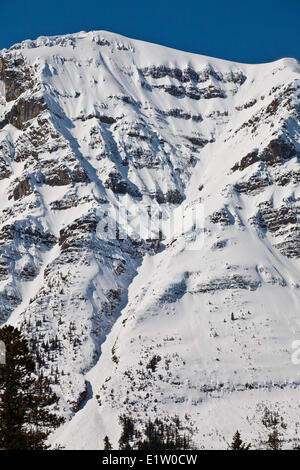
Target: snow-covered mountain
(196, 315)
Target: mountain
(149, 233)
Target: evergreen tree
(127, 432)
(274, 441)
(275, 424)
(238, 444)
(25, 421)
(156, 435)
(107, 444)
(159, 435)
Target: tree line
(27, 415)
(170, 434)
(25, 397)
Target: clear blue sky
(242, 30)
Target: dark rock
(28, 272)
(22, 189)
(5, 171)
(246, 161)
(16, 77)
(197, 118)
(290, 247)
(247, 105)
(118, 185)
(253, 184)
(173, 90)
(58, 176)
(174, 196)
(292, 176)
(219, 244)
(9, 300)
(23, 111)
(103, 118)
(212, 92)
(102, 42)
(178, 113)
(277, 151)
(189, 75)
(73, 235)
(174, 293)
(28, 235)
(198, 141)
(194, 93)
(81, 399)
(129, 100)
(107, 119)
(235, 77)
(277, 218)
(272, 107)
(79, 175)
(222, 216)
(162, 71)
(235, 281)
(137, 135)
(281, 222)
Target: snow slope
(94, 124)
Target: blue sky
(241, 30)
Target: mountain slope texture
(149, 233)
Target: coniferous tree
(156, 435)
(275, 424)
(107, 444)
(274, 441)
(128, 431)
(238, 444)
(25, 421)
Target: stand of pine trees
(275, 425)
(170, 435)
(156, 435)
(25, 420)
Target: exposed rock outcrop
(276, 152)
(16, 76)
(22, 189)
(23, 111)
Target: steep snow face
(149, 232)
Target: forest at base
(28, 412)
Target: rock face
(23, 111)
(276, 152)
(15, 75)
(151, 210)
(23, 188)
(5, 171)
